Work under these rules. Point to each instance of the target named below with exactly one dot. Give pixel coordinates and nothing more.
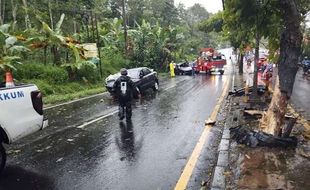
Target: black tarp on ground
(258, 138)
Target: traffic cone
(9, 80)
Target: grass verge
(60, 98)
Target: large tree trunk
(14, 14)
(257, 39)
(51, 15)
(27, 20)
(1, 20)
(2, 11)
(273, 120)
(125, 26)
(55, 51)
(290, 49)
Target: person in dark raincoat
(125, 91)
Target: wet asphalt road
(300, 96)
(148, 153)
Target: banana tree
(79, 61)
(111, 34)
(153, 45)
(49, 38)
(10, 47)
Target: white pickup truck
(21, 113)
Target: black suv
(143, 77)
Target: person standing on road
(193, 66)
(172, 66)
(125, 91)
(248, 81)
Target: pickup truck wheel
(2, 157)
(156, 86)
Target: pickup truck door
(18, 117)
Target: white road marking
(97, 119)
(169, 88)
(77, 100)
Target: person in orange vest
(171, 66)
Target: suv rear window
(146, 71)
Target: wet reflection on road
(126, 143)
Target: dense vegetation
(45, 36)
(281, 25)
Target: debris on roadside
(227, 173)
(59, 160)
(253, 138)
(247, 156)
(210, 122)
(303, 152)
(40, 150)
(306, 134)
(254, 113)
(241, 91)
(13, 151)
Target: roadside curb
(219, 178)
(218, 181)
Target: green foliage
(113, 61)
(88, 73)
(59, 90)
(10, 48)
(86, 91)
(52, 74)
(158, 32)
(306, 44)
(214, 23)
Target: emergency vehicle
(210, 60)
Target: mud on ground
(263, 167)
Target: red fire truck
(210, 61)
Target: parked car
(143, 77)
(183, 68)
(306, 66)
(21, 114)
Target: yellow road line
(191, 163)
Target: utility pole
(125, 26)
(223, 3)
(92, 25)
(98, 45)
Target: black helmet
(124, 71)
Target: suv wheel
(156, 86)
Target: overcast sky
(212, 6)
